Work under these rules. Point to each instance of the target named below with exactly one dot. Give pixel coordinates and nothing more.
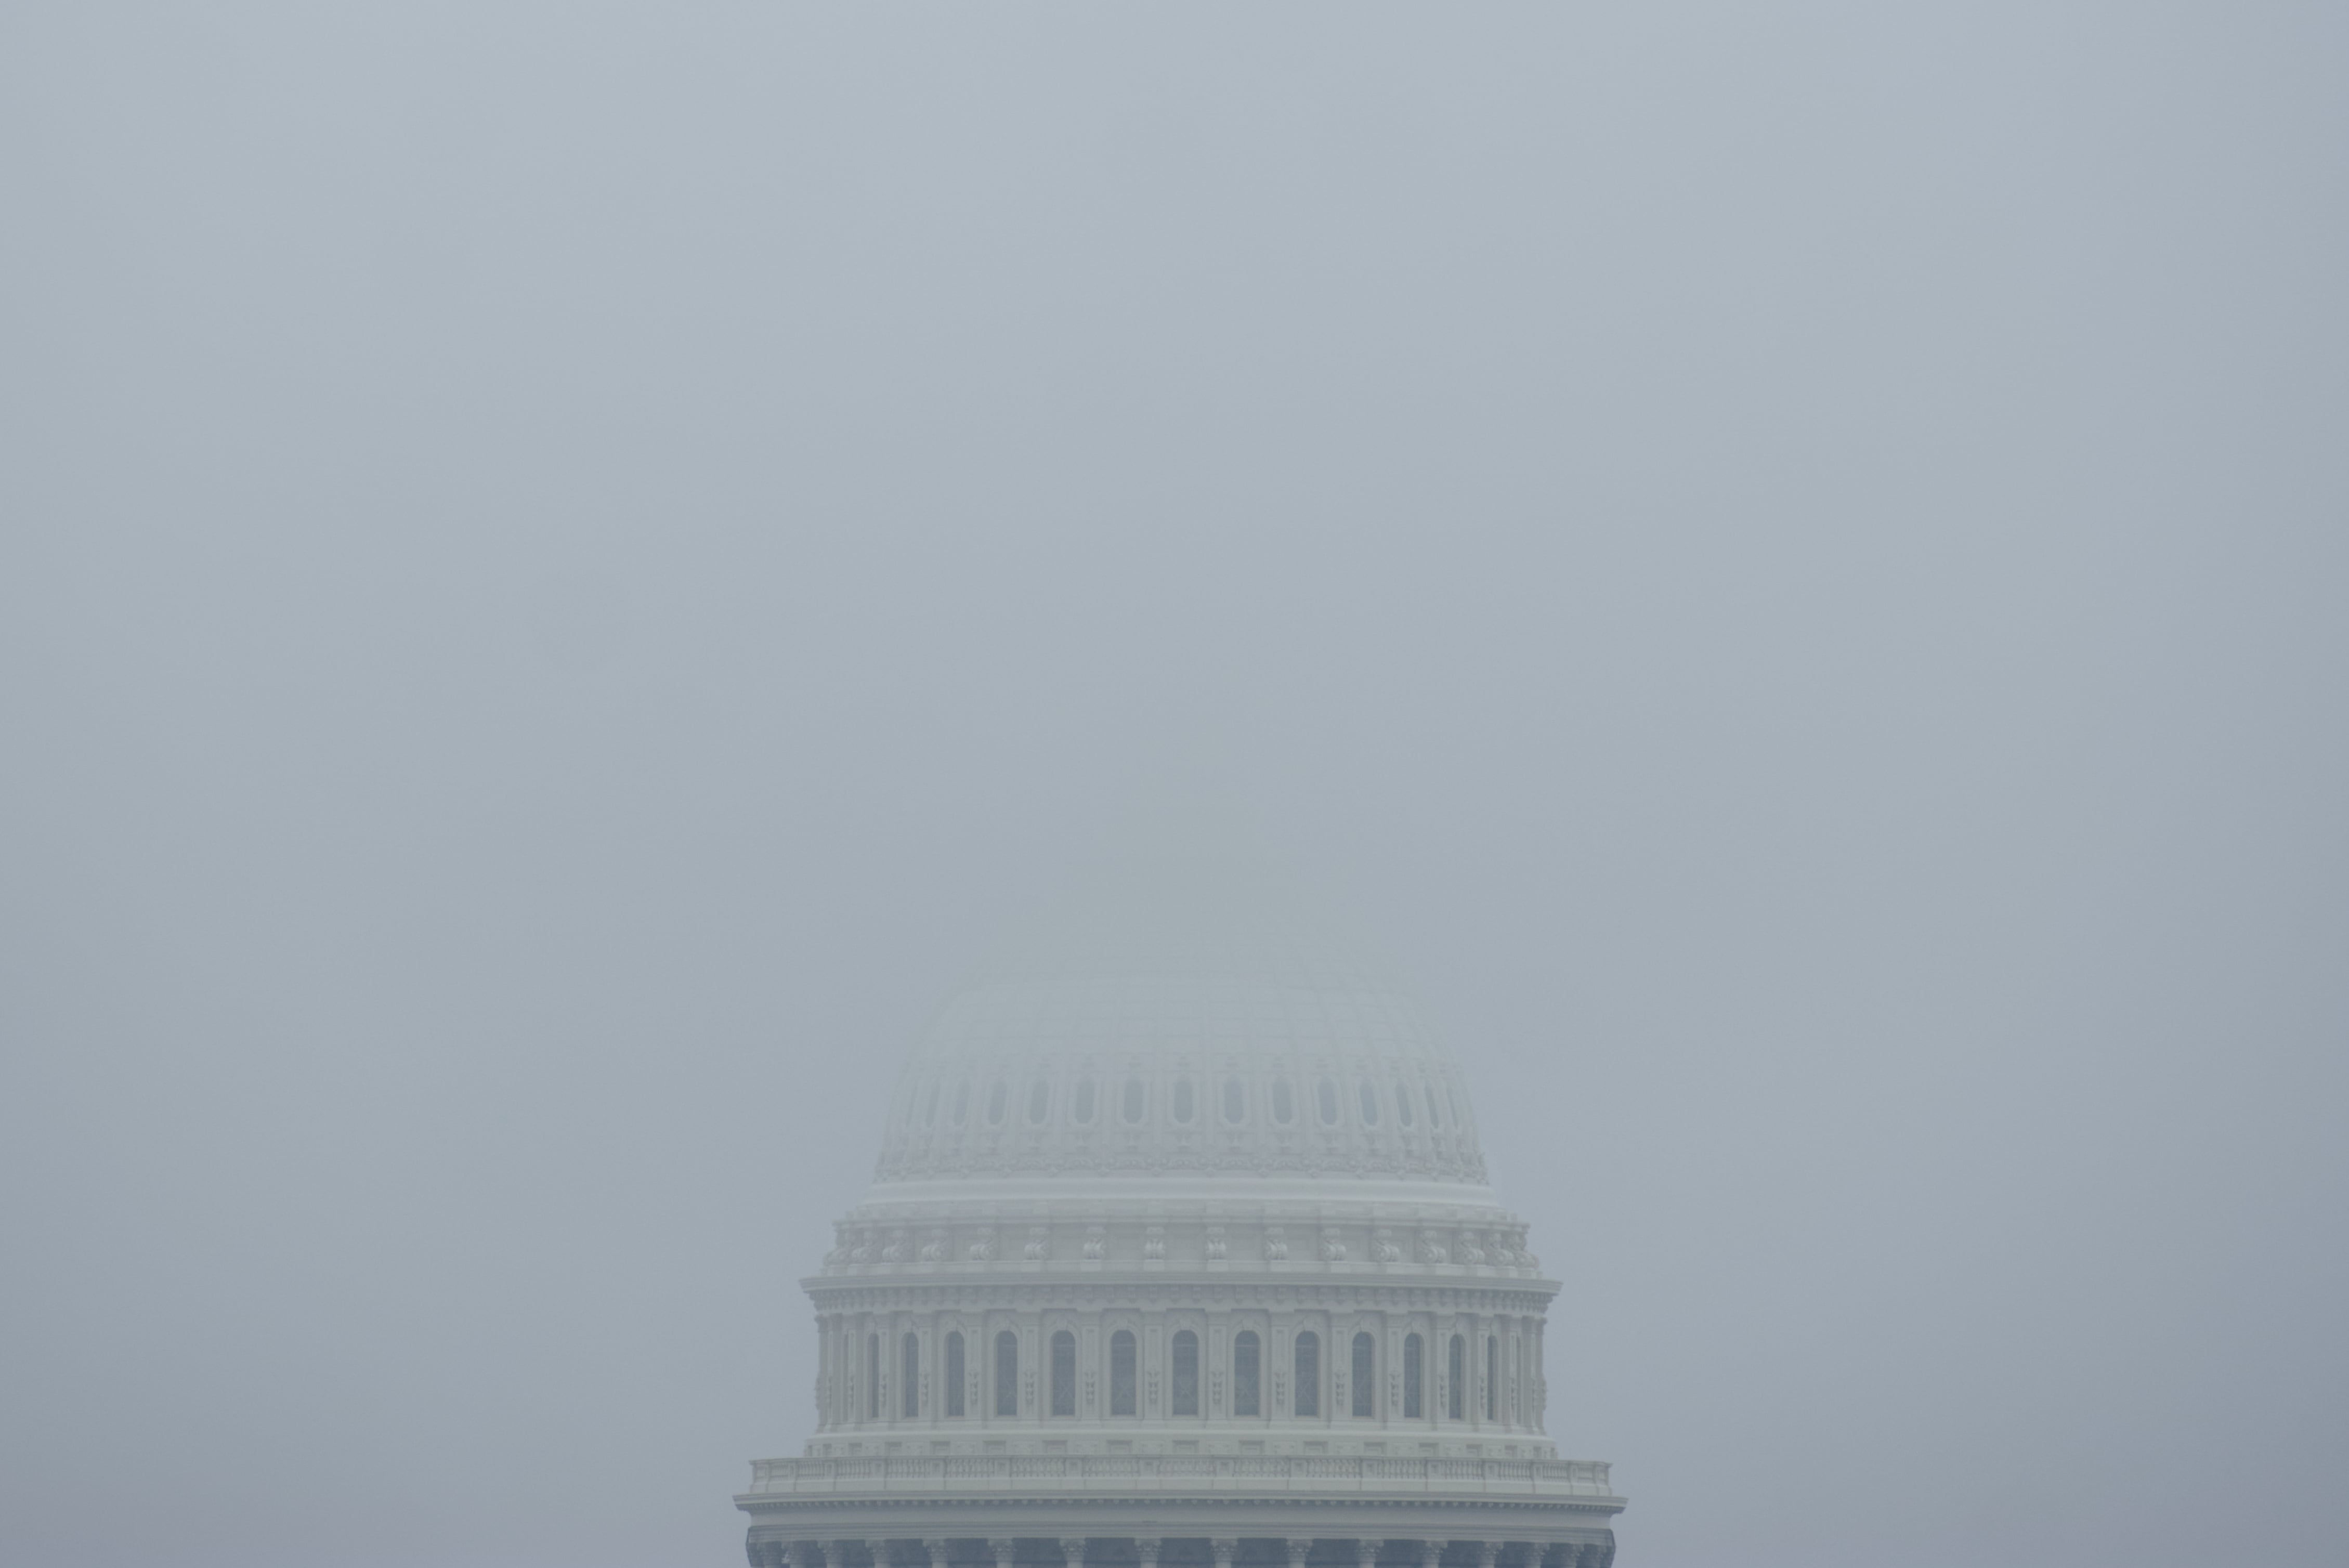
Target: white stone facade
(1181, 1260)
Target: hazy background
(564, 568)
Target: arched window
(1308, 1372)
(930, 1105)
(1434, 1112)
(1247, 1377)
(1064, 1373)
(1370, 1098)
(1235, 1101)
(1134, 1099)
(953, 1375)
(1284, 1110)
(1084, 1099)
(1007, 1374)
(1039, 1100)
(1183, 1106)
(871, 1376)
(1492, 1379)
(1365, 1384)
(1120, 1372)
(1186, 1373)
(1402, 1103)
(910, 1399)
(1413, 1374)
(962, 1101)
(1455, 1394)
(995, 1103)
(1328, 1096)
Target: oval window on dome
(1084, 1099)
(962, 1101)
(1183, 1094)
(1370, 1098)
(1283, 1107)
(995, 1102)
(1134, 1099)
(1235, 1100)
(1039, 1100)
(1326, 1096)
(1403, 1105)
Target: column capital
(1366, 1552)
(1488, 1552)
(1003, 1552)
(936, 1547)
(1224, 1548)
(1300, 1550)
(880, 1549)
(1146, 1548)
(1072, 1547)
(1430, 1553)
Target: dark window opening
(1247, 1380)
(1412, 1372)
(909, 1401)
(953, 1375)
(1308, 1374)
(1007, 1374)
(1365, 1380)
(1186, 1373)
(1120, 1372)
(1456, 1395)
(1064, 1373)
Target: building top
(1180, 1061)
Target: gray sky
(563, 568)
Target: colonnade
(946, 1368)
(1221, 1551)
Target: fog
(565, 570)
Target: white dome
(1198, 1062)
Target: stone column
(1431, 1554)
(1003, 1551)
(880, 1549)
(938, 1551)
(1224, 1549)
(1072, 1547)
(1145, 1547)
(1299, 1551)
(836, 1553)
(1366, 1552)
(800, 1553)
(1488, 1552)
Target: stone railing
(911, 1476)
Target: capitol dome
(1180, 1252)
